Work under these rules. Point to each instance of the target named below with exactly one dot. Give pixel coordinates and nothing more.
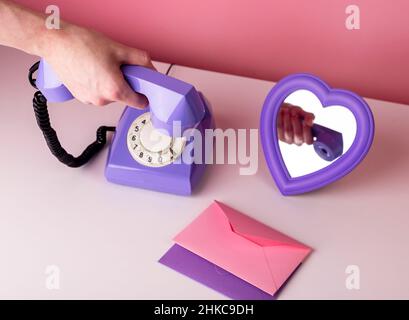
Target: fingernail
(298, 141)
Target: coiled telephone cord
(50, 135)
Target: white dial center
(151, 147)
(153, 140)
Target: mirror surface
(312, 137)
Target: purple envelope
(212, 276)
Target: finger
(100, 102)
(137, 57)
(298, 130)
(295, 110)
(286, 105)
(287, 127)
(309, 119)
(280, 131)
(126, 95)
(296, 122)
(133, 99)
(307, 134)
(96, 101)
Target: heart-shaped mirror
(311, 134)
(312, 137)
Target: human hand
(294, 125)
(88, 64)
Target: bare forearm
(21, 28)
(87, 62)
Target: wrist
(50, 39)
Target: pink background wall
(265, 39)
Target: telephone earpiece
(50, 86)
(328, 143)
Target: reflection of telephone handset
(147, 142)
(328, 143)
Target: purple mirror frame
(328, 97)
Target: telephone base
(177, 177)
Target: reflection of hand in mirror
(294, 125)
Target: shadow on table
(386, 163)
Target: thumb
(131, 98)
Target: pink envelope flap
(249, 249)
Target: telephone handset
(328, 144)
(146, 143)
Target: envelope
(210, 275)
(249, 250)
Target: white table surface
(106, 239)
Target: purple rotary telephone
(148, 144)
